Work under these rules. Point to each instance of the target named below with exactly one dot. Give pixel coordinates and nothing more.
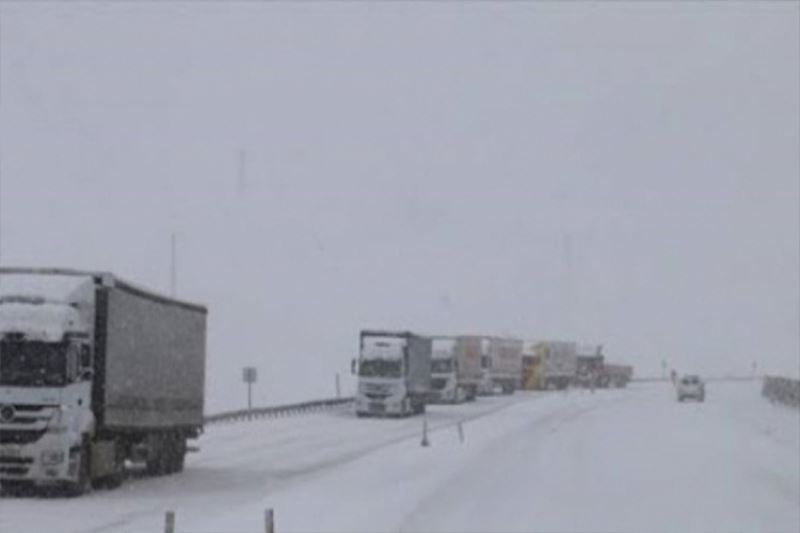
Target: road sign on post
(249, 376)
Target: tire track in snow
(279, 479)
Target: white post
(425, 442)
(461, 431)
(269, 521)
(169, 522)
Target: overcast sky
(625, 174)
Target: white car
(691, 387)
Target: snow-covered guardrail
(278, 410)
(783, 390)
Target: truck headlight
(53, 457)
(55, 424)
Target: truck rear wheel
(170, 454)
(117, 476)
(176, 454)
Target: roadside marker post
(269, 521)
(169, 522)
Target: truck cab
(45, 392)
(394, 374)
(445, 387)
(486, 385)
(691, 386)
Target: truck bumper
(443, 396)
(388, 407)
(46, 461)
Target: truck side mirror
(86, 357)
(353, 366)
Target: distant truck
(589, 366)
(558, 363)
(614, 375)
(455, 369)
(531, 366)
(468, 364)
(394, 373)
(486, 383)
(502, 365)
(107, 374)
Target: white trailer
(502, 365)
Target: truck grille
(376, 395)
(14, 470)
(17, 436)
(438, 383)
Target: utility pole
(242, 171)
(173, 266)
(249, 376)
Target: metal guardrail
(782, 390)
(277, 411)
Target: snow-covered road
(630, 460)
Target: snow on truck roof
(382, 347)
(59, 283)
(443, 347)
(38, 318)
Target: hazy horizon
(622, 174)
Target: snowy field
(629, 460)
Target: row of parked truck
(400, 372)
(97, 373)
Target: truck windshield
(33, 364)
(384, 368)
(441, 366)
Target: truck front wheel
(83, 483)
(14, 488)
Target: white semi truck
(103, 374)
(444, 377)
(502, 365)
(394, 373)
(455, 369)
(559, 363)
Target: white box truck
(105, 373)
(394, 373)
(502, 365)
(559, 363)
(468, 364)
